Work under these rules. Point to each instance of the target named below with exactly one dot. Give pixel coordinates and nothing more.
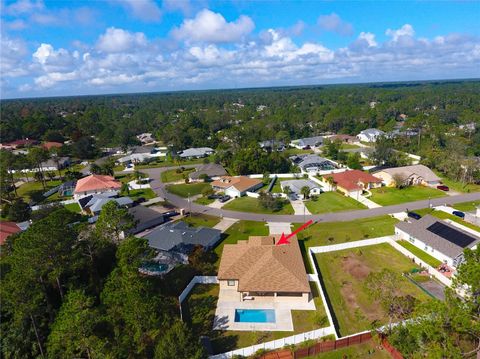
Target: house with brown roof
(7, 229)
(96, 184)
(49, 145)
(236, 186)
(409, 175)
(260, 270)
(353, 182)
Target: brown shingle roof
(349, 179)
(241, 183)
(261, 266)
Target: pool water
(254, 315)
(155, 267)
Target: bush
(18, 211)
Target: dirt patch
(348, 293)
(354, 265)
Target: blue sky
(54, 48)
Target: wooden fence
(330, 345)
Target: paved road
(159, 188)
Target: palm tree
(287, 190)
(330, 181)
(305, 190)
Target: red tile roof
(96, 183)
(49, 145)
(350, 180)
(7, 229)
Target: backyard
(199, 311)
(332, 202)
(199, 219)
(185, 190)
(252, 205)
(360, 351)
(424, 256)
(387, 196)
(343, 274)
(175, 175)
(33, 190)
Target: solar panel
(452, 235)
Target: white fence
(252, 194)
(348, 245)
(279, 175)
(198, 279)
(277, 344)
(67, 201)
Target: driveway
(159, 188)
(299, 207)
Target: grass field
(198, 219)
(467, 206)
(241, 230)
(386, 196)
(184, 190)
(134, 194)
(34, 190)
(204, 201)
(199, 312)
(173, 176)
(73, 207)
(360, 351)
(348, 146)
(424, 256)
(168, 163)
(252, 205)
(332, 202)
(344, 273)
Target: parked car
(224, 198)
(459, 214)
(214, 196)
(170, 214)
(140, 200)
(414, 215)
(443, 188)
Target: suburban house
(196, 152)
(308, 142)
(67, 188)
(49, 145)
(438, 238)
(55, 164)
(7, 229)
(146, 138)
(309, 163)
(409, 175)
(18, 144)
(295, 187)
(96, 202)
(96, 184)
(370, 135)
(343, 138)
(144, 218)
(179, 237)
(236, 186)
(272, 145)
(257, 269)
(353, 183)
(211, 170)
(140, 154)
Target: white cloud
(145, 10)
(119, 40)
(12, 57)
(47, 55)
(405, 31)
(22, 7)
(369, 38)
(208, 26)
(334, 23)
(184, 6)
(15, 25)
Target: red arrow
(284, 239)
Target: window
(411, 239)
(231, 283)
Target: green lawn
(73, 207)
(296, 151)
(457, 185)
(199, 312)
(424, 256)
(241, 230)
(173, 176)
(348, 146)
(198, 219)
(34, 190)
(168, 163)
(332, 202)
(134, 194)
(204, 201)
(386, 196)
(360, 351)
(184, 190)
(252, 205)
(344, 273)
(467, 206)
(445, 215)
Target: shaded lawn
(184, 190)
(467, 206)
(445, 215)
(173, 176)
(360, 351)
(344, 273)
(198, 219)
(252, 205)
(386, 196)
(240, 230)
(332, 202)
(323, 234)
(424, 256)
(457, 185)
(199, 312)
(34, 190)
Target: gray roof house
(272, 145)
(209, 169)
(308, 142)
(370, 135)
(94, 204)
(179, 237)
(56, 163)
(312, 163)
(196, 152)
(296, 186)
(145, 218)
(439, 238)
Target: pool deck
(229, 300)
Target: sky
(57, 48)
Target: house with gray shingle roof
(295, 187)
(211, 170)
(309, 163)
(196, 152)
(410, 175)
(438, 238)
(308, 142)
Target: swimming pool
(254, 315)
